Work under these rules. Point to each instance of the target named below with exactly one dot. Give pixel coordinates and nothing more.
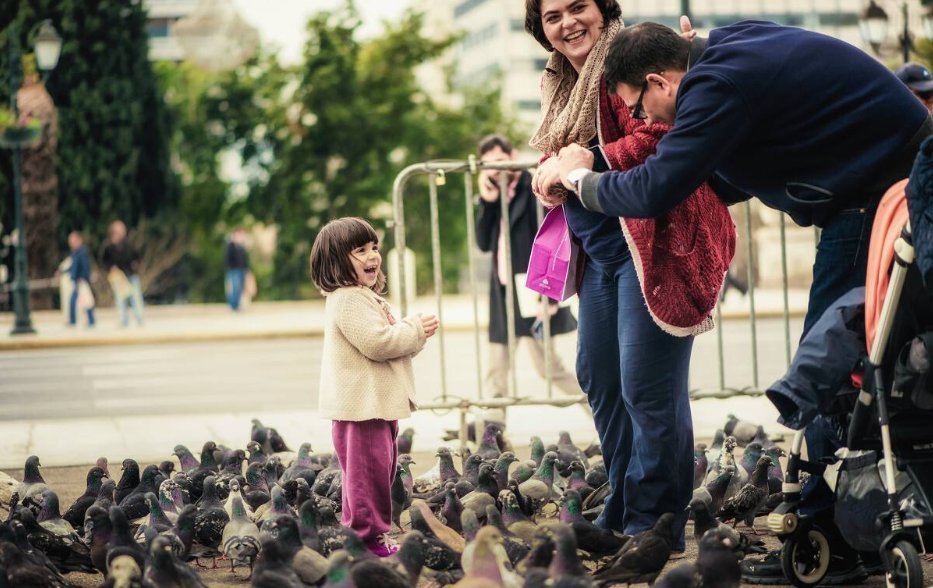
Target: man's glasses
(638, 111)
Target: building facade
(163, 14)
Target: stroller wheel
(905, 570)
(805, 557)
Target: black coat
(523, 226)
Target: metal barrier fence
(437, 172)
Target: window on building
(480, 37)
(517, 25)
(534, 105)
(157, 27)
(466, 6)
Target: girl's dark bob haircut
(610, 9)
(331, 267)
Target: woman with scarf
(648, 286)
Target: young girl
(367, 382)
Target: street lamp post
(48, 47)
(873, 25)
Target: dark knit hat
(916, 77)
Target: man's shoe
(767, 570)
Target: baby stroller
(891, 412)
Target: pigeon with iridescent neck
(404, 440)
(302, 467)
(750, 456)
(577, 480)
(134, 504)
(540, 487)
(451, 509)
(267, 513)
(523, 471)
(485, 493)
(565, 564)
(514, 519)
(714, 493)
(590, 538)
(537, 450)
(775, 473)
(746, 503)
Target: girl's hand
(546, 184)
(430, 324)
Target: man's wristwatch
(576, 176)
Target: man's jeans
(235, 280)
(840, 265)
(134, 300)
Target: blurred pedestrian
(82, 296)
(919, 80)
(120, 261)
(490, 236)
(236, 260)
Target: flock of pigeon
(499, 521)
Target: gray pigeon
(744, 505)
(642, 558)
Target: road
(237, 376)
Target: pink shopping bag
(553, 265)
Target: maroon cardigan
(682, 257)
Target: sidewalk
(267, 320)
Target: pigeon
(523, 471)
(33, 485)
(485, 558)
(211, 518)
(121, 540)
(537, 450)
(16, 570)
(123, 572)
(302, 467)
(156, 521)
(255, 453)
(134, 504)
(186, 459)
(438, 555)
(51, 519)
(56, 539)
(257, 491)
(700, 464)
(182, 532)
(718, 559)
(75, 513)
(577, 480)
(400, 498)
(775, 473)
(540, 487)
(597, 475)
(272, 569)
(642, 558)
(714, 493)
(167, 468)
(526, 505)
(409, 559)
(743, 431)
(404, 440)
(744, 505)
(345, 573)
(501, 468)
(715, 448)
(750, 456)
(164, 570)
(129, 480)
(515, 548)
(514, 519)
(108, 489)
(97, 532)
(568, 453)
(207, 467)
(590, 538)
(541, 553)
(703, 522)
(485, 493)
(565, 564)
(276, 507)
(450, 511)
(239, 541)
(308, 564)
(683, 575)
(431, 527)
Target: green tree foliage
(113, 154)
(351, 121)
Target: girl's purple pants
(368, 457)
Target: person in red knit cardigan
(649, 285)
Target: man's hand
(430, 323)
(546, 184)
(686, 28)
(570, 158)
(489, 185)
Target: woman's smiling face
(572, 27)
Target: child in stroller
(877, 495)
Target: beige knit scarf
(569, 102)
